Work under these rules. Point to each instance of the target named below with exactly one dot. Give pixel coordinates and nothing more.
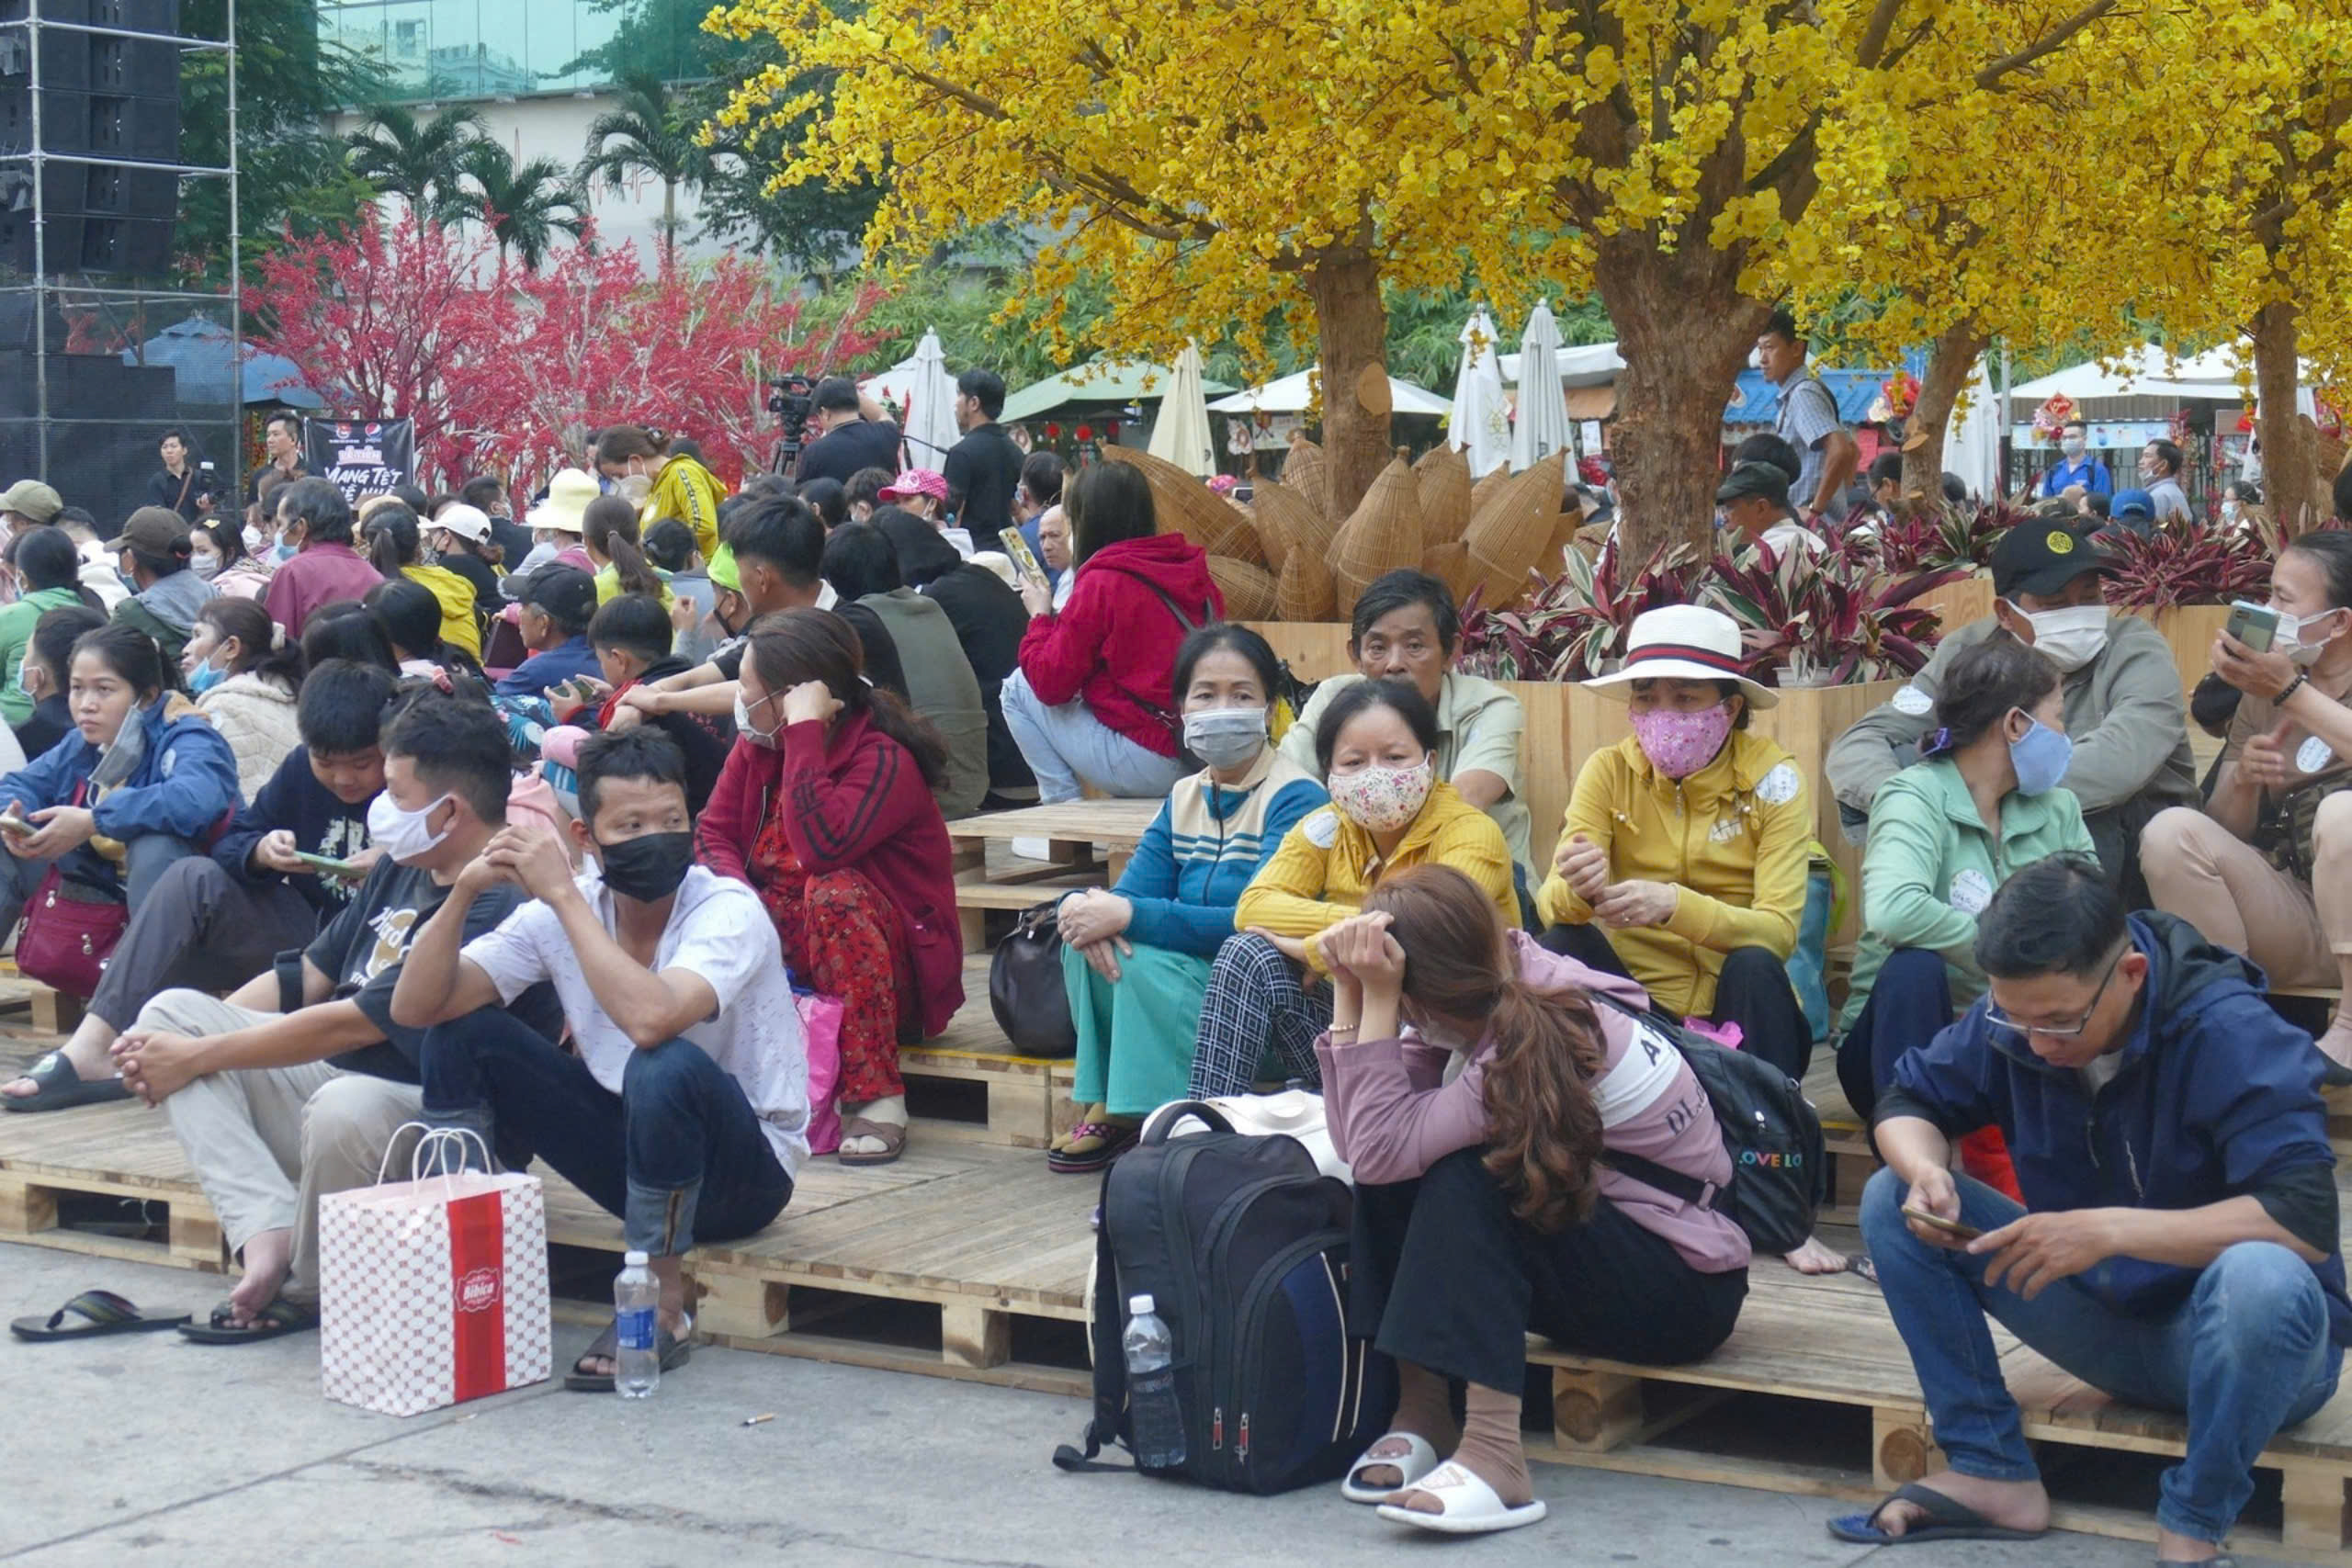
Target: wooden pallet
(113, 1151)
(968, 1085)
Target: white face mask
(252, 540)
(2069, 638)
(2290, 640)
(205, 567)
(746, 728)
(2073, 445)
(403, 835)
(633, 488)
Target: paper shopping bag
(433, 1291)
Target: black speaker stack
(104, 95)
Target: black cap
(1766, 480)
(564, 592)
(2041, 556)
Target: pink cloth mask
(1679, 744)
(1381, 800)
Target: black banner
(361, 458)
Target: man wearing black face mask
(686, 1112)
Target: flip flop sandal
(894, 1138)
(103, 1313)
(60, 1087)
(278, 1319)
(1109, 1141)
(1412, 1464)
(1467, 1505)
(1943, 1518)
(1861, 1266)
(675, 1353)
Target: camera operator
(855, 435)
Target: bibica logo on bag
(478, 1292)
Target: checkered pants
(1255, 999)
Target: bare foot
(2337, 1043)
(2176, 1548)
(2011, 1505)
(1813, 1257)
(266, 1257)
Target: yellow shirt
(691, 494)
(1328, 864)
(609, 586)
(455, 597)
(1734, 841)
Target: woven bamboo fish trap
(1450, 564)
(1444, 475)
(1483, 491)
(1248, 590)
(1184, 505)
(1306, 591)
(1286, 519)
(1383, 535)
(1305, 471)
(1509, 532)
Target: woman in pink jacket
(1483, 1208)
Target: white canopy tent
(2149, 371)
(1292, 394)
(1593, 364)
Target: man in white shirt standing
(1807, 419)
(687, 1110)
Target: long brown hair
(793, 645)
(1542, 1128)
(609, 527)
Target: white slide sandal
(1469, 1505)
(1412, 1464)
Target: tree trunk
(2288, 480)
(1684, 331)
(1351, 329)
(1949, 364)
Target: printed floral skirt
(843, 939)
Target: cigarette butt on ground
(759, 1420)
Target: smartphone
(1024, 559)
(2256, 626)
(324, 864)
(1952, 1228)
(14, 825)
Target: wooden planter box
(2190, 628)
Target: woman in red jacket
(825, 807)
(1090, 703)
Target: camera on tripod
(792, 402)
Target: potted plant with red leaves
(1573, 626)
(1828, 619)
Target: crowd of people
(401, 827)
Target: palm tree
(523, 207)
(421, 161)
(646, 134)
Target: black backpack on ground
(1770, 1130)
(1242, 1244)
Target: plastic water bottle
(637, 1325)
(1152, 1408)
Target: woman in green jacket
(1996, 756)
(49, 575)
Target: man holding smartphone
(2179, 1249)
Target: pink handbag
(66, 941)
(820, 1025)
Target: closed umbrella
(1542, 427)
(930, 406)
(1480, 424)
(1973, 438)
(1180, 433)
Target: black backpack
(1770, 1130)
(1242, 1244)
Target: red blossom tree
(509, 373)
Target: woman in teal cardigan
(1136, 958)
(1997, 757)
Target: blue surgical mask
(2039, 757)
(205, 677)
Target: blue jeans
(1066, 745)
(678, 1154)
(1909, 1005)
(2246, 1354)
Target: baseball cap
(565, 593)
(30, 498)
(1754, 479)
(721, 570)
(2039, 557)
(466, 522)
(152, 530)
(916, 481)
(2131, 504)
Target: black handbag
(1026, 990)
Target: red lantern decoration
(1053, 433)
(1111, 430)
(1085, 433)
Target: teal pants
(1135, 1038)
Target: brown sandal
(894, 1138)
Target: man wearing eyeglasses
(2178, 1247)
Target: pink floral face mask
(1381, 800)
(1679, 744)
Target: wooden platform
(967, 1086)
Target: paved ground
(145, 1450)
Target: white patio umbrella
(1973, 437)
(1180, 433)
(1543, 425)
(1481, 422)
(930, 406)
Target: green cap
(722, 571)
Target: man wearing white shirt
(687, 1109)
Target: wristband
(2302, 678)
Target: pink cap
(916, 481)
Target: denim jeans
(678, 1154)
(2247, 1353)
(1068, 745)
(1910, 1004)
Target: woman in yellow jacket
(678, 485)
(395, 548)
(1688, 844)
(1377, 742)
